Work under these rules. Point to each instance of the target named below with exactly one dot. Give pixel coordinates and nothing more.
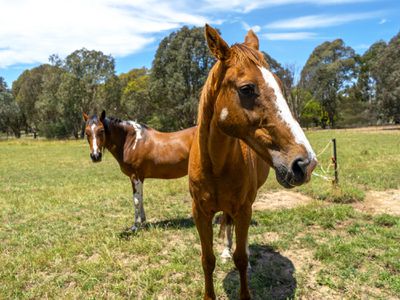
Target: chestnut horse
(244, 128)
(141, 152)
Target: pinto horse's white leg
(227, 252)
(248, 255)
(140, 216)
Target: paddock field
(63, 220)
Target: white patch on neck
(94, 142)
(224, 114)
(285, 113)
(138, 129)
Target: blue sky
(130, 30)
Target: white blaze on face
(285, 113)
(224, 114)
(94, 141)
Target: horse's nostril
(299, 168)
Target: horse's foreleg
(142, 214)
(240, 256)
(227, 252)
(140, 217)
(204, 227)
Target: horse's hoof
(134, 229)
(226, 255)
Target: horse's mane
(240, 54)
(117, 121)
(114, 121)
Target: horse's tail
(224, 220)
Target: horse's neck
(115, 140)
(216, 147)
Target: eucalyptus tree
(179, 70)
(10, 114)
(329, 70)
(82, 84)
(27, 90)
(387, 70)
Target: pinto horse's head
(95, 134)
(249, 104)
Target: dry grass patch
(280, 200)
(379, 202)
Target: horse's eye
(247, 90)
(247, 96)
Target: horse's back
(166, 154)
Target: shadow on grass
(177, 223)
(271, 276)
(127, 233)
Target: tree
(368, 75)
(49, 107)
(328, 71)
(3, 85)
(71, 92)
(180, 68)
(136, 100)
(387, 71)
(26, 90)
(10, 115)
(90, 70)
(110, 94)
(312, 113)
(82, 87)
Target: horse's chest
(224, 194)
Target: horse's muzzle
(96, 157)
(298, 173)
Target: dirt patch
(379, 202)
(279, 200)
(375, 202)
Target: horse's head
(249, 104)
(95, 134)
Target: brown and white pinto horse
(244, 128)
(141, 152)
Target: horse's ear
(103, 115)
(219, 48)
(85, 116)
(251, 40)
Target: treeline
(336, 88)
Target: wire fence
(325, 172)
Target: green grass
(63, 220)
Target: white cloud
(317, 21)
(31, 30)
(247, 27)
(245, 6)
(289, 36)
(382, 21)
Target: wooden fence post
(334, 158)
